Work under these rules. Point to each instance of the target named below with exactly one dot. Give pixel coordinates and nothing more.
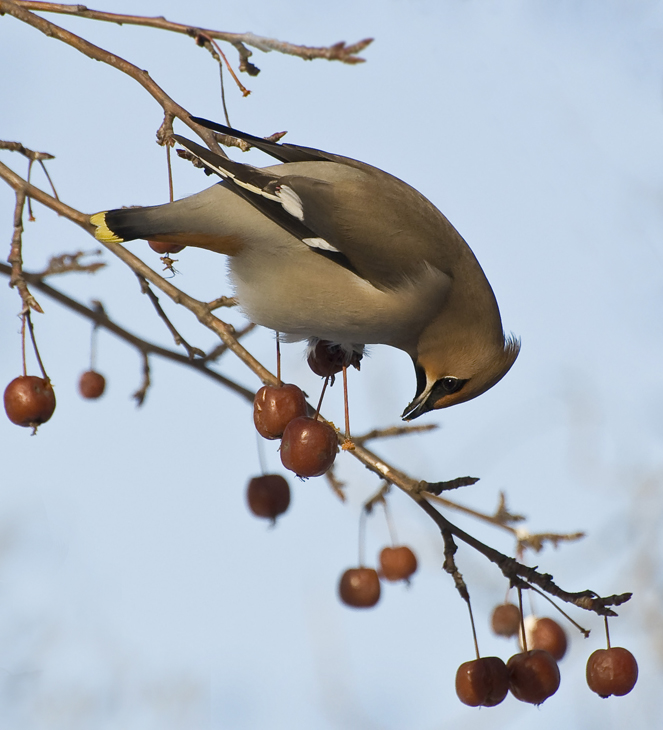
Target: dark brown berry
(275, 406)
(397, 563)
(29, 400)
(308, 447)
(91, 384)
(505, 620)
(546, 633)
(359, 587)
(328, 358)
(533, 676)
(482, 682)
(165, 248)
(268, 496)
(612, 671)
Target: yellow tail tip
(103, 232)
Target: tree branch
(171, 107)
(101, 319)
(522, 575)
(336, 52)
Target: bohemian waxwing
(326, 247)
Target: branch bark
(101, 319)
(336, 52)
(171, 108)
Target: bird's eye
(450, 384)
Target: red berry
(274, 407)
(29, 400)
(612, 671)
(328, 358)
(91, 384)
(268, 496)
(165, 248)
(397, 563)
(359, 587)
(533, 676)
(308, 447)
(482, 682)
(547, 634)
(505, 620)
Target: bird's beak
(419, 405)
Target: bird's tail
(127, 224)
(203, 220)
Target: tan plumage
(326, 247)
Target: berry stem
(390, 523)
(362, 537)
(322, 395)
(25, 369)
(278, 360)
(607, 631)
(261, 454)
(170, 173)
(346, 405)
(474, 630)
(93, 348)
(34, 345)
(523, 638)
(566, 615)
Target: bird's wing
(282, 152)
(362, 218)
(262, 190)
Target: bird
(325, 247)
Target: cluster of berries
(533, 675)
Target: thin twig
(335, 483)
(20, 12)
(377, 498)
(436, 488)
(32, 156)
(219, 56)
(140, 395)
(15, 257)
(25, 151)
(517, 573)
(193, 352)
(450, 566)
(391, 431)
(222, 302)
(219, 350)
(336, 52)
(71, 262)
(525, 538)
(99, 318)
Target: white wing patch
(291, 202)
(319, 243)
(283, 194)
(254, 188)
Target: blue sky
(135, 589)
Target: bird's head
(455, 370)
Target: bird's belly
(339, 306)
